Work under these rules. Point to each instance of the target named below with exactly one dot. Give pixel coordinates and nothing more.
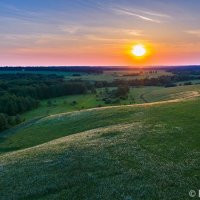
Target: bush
(73, 103)
(188, 83)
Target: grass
(105, 76)
(112, 75)
(63, 104)
(148, 151)
(161, 94)
(128, 152)
(139, 94)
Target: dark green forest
(22, 92)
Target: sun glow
(139, 50)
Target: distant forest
(100, 69)
(89, 70)
(21, 90)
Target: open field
(109, 75)
(146, 146)
(160, 93)
(145, 151)
(139, 94)
(121, 74)
(63, 104)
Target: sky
(99, 32)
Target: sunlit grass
(118, 153)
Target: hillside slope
(137, 95)
(45, 129)
(148, 151)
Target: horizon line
(128, 66)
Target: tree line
(22, 92)
(165, 81)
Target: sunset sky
(99, 32)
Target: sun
(139, 50)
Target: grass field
(148, 150)
(111, 75)
(160, 93)
(140, 95)
(63, 104)
(105, 76)
(137, 152)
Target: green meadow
(111, 75)
(147, 151)
(77, 147)
(136, 95)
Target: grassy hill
(140, 95)
(148, 151)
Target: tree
(18, 119)
(49, 103)
(122, 91)
(3, 122)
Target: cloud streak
(155, 14)
(130, 13)
(148, 16)
(194, 32)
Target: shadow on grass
(10, 149)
